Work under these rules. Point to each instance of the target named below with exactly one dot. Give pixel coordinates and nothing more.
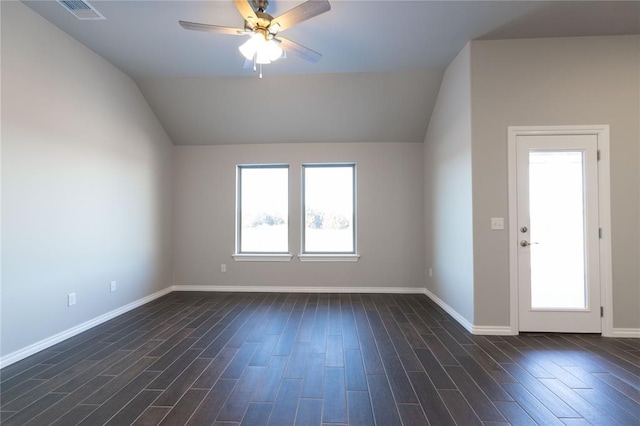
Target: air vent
(81, 10)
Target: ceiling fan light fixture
(264, 51)
(251, 46)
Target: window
(329, 206)
(262, 222)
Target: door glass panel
(556, 204)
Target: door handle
(525, 243)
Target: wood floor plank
(56, 410)
(349, 328)
(286, 403)
(436, 373)
(175, 369)
(534, 408)
(385, 410)
(478, 400)
(309, 412)
(313, 383)
(334, 356)
(102, 394)
(458, 407)
(152, 416)
(114, 404)
(238, 402)
(212, 403)
(75, 415)
(607, 391)
(181, 384)
(493, 390)
(334, 409)
(514, 413)
(354, 370)
(412, 414)
(550, 400)
(434, 407)
(184, 409)
(589, 412)
(215, 368)
(371, 357)
(23, 416)
(439, 350)
(269, 383)
(359, 408)
(134, 409)
(297, 361)
(400, 384)
(257, 414)
(239, 362)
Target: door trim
(604, 207)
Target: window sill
(328, 257)
(283, 257)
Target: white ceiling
(144, 40)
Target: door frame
(604, 207)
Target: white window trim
(333, 257)
(329, 256)
(266, 257)
(258, 257)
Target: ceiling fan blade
(300, 13)
(299, 50)
(247, 12)
(211, 28)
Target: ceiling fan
(265, 45)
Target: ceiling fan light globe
(273, 50)
(262, 57)
(248, 48)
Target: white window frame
(240, 255)
(351, 256)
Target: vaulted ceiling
(376, 82)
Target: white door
(558, 233)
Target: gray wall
(587, 80)
(86, 178)
(448, 190)
(390, 216)
(337, 108)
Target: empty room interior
(320, 212)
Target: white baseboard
(473, 329)
(448, 309)
(287, 289)
(626, 332)
(489, 330)
(57, 338)
(485, 330)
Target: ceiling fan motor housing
(260, 5)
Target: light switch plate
(497, 223)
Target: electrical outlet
(430, 272)
(497, 223)
(223, 267)
(114, 286)
(71, 299)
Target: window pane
(329, 209)
(556, 188)
(264, 209)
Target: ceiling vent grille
(81, 9)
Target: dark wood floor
(311, 359)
